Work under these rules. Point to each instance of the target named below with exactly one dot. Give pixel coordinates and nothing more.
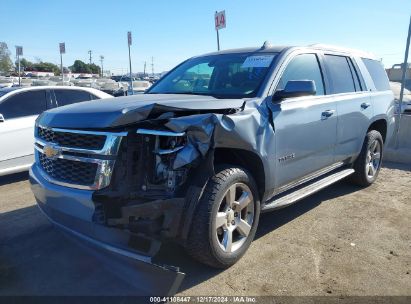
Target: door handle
(326, 114)
(365, 105)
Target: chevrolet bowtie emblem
(50, 151)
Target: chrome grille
(75, 140)
(75, 158)
(69, 171)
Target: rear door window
(377, 73)
(24, 104)
(303, 67)
(354, 73)
(340, 73)
(66, 97)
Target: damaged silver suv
(218, 140)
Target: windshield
(221, 76)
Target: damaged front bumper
(72, 211)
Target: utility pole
(129, 40)
(152, 66)
(404, 71)
(62, 47)
(404, 66)
(101, 60)
(89, 52)
(145, 63)
(19, 52)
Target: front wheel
(226, 218)
(368, 164)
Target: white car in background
(19, 108)
(406, 101)
(140, 86)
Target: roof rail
(342, 49)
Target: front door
(305, 127)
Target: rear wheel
(368, 164)
(226, 218)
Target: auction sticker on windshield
(262, 61)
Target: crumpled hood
(120, 111)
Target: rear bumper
(71, 210)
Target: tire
(217, 217)
(370, 155)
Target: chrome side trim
(160, 133)
(306, 191)
(308, 177)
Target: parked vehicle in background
(217, 140)
(19, 108)
(116, 89)
(395, 72)
(140, 86)
(406, 101)
(6, 82)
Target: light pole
(101, 60)
(19, 52)
(89, 52)
(62, 51)
(129, 42)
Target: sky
(174, 30)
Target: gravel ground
(343, 240)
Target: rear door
(17, 130)
(305, 127)
(353, 105)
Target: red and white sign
(129, 38)
(62, 48)
(220, 21)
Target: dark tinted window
(341, 76)
(24, 104)
(66, 97)
(303, 67)
(355, 77)
(378, 75)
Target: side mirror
(1, 118)
(296, 88)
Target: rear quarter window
(377, 73)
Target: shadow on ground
(13, 178)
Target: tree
(6, 64)
(38, 66)
(25, 64)
(85, 68)
(80, 67)
(95, 69)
